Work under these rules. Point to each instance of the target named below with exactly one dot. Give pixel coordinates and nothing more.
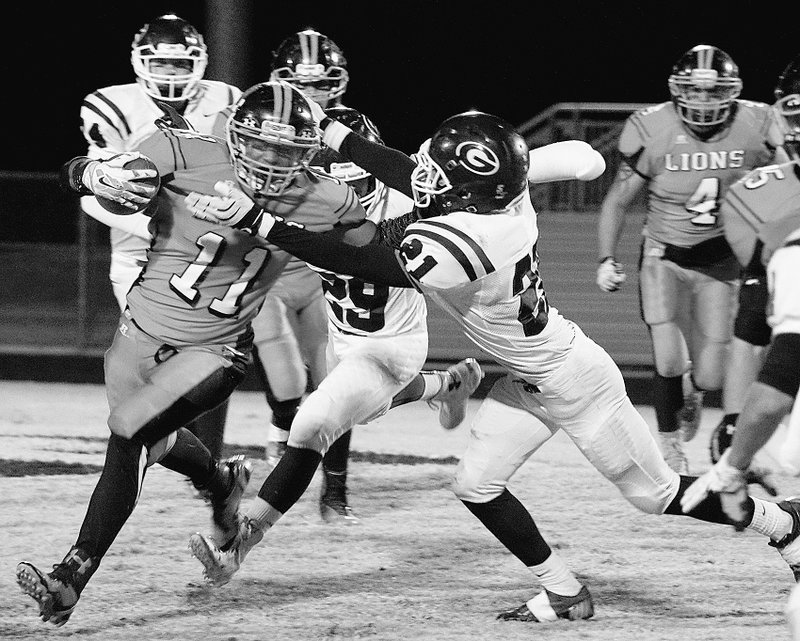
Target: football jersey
(203, 283)
(689, 176)
(483, 270)
(358, 307)
(764, 204)
(120, 117)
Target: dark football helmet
(787, 106)
(314, 64)
(474, 162)
(366, 186)
(169, 40)
(271, 137)
(703, 84)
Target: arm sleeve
(373, 263)
(567, 160)
(71, 173)
(392, 230)
(391, 166)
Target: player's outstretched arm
(565, 160)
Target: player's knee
(312, 432)
(472, 488)
(652, 500)
(123, 424)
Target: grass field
(419, 566)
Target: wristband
(334, 133)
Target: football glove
(729, 482)
(610, 275)
(109, 179)
(232, 207)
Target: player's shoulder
(646, 125)
(115, 100)
(752, 117)
(176, 149)
(218, 94)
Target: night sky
(411, 64)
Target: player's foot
(54, 592)
(672, 451)
(333, 507)
(689, 415)
(225, 508)
(462, 379)
(219, 565)
(273, 452)
(721, 439)
(548, 606)
(789, 545)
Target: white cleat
(463, 379)
(220, 565)
(672, 451)
(691, 412)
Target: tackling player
(685, 153)
(169, 58)
(474, 251)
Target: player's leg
(368, 373)
(503, 435)
(280, 367)
(664, 300)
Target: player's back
(483, 270)
(203, 283)
(688, 175)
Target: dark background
(411, 64)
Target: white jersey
(365, 309)
(118, 118)
(782, 270)
(484, 271)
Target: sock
(555, 576)
(335, 459)
(434, 382)
(262, 514)
(283, 412)
(770, 520)
(210, 428)
(191, 458)
(512, 525)
(290, 479)
(667, 401)
(709, 509)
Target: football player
(685, 153)
(169, 59)
(184, 338)
(377, 346)
(762, 222)
(473, 250)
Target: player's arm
(110, 179)
(566, 160)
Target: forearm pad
(391, 231)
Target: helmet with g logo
(474, 162)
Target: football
(137, 163)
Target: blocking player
(474, 251)
(183, 342)
(685, 153)
(169, 58)
(762, 222)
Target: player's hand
(729, 482)
(610, 275)
(109, 179)
(231, 207)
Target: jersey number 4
(704, 202)
(211, 247)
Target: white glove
(316, 110)
(727, 481)
(610, 275)
(232, 207)
(109, 179)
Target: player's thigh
(712, 330)
(366, 375)
(504, 433)
(272, 322)
(311, 329)
(180, 387)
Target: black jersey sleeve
(373, 262)
(391, 166)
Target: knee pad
(471, 488)
(312, 431)
(123, 424)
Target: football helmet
(703, 85)
(330, 161)
(314, 64)
(271, 137)
(787, 106)
(474, 162)
(169, 40)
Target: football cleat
(672, 451)
(220, 565)
(548, 606)
(225, 509)
(789, 545)
(689, 415)
(53, 592)
(462, 379)
(273, 452)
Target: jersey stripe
(451, 247)
(485, 263)
(92, 107)
(116, 110)
(744, 210)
